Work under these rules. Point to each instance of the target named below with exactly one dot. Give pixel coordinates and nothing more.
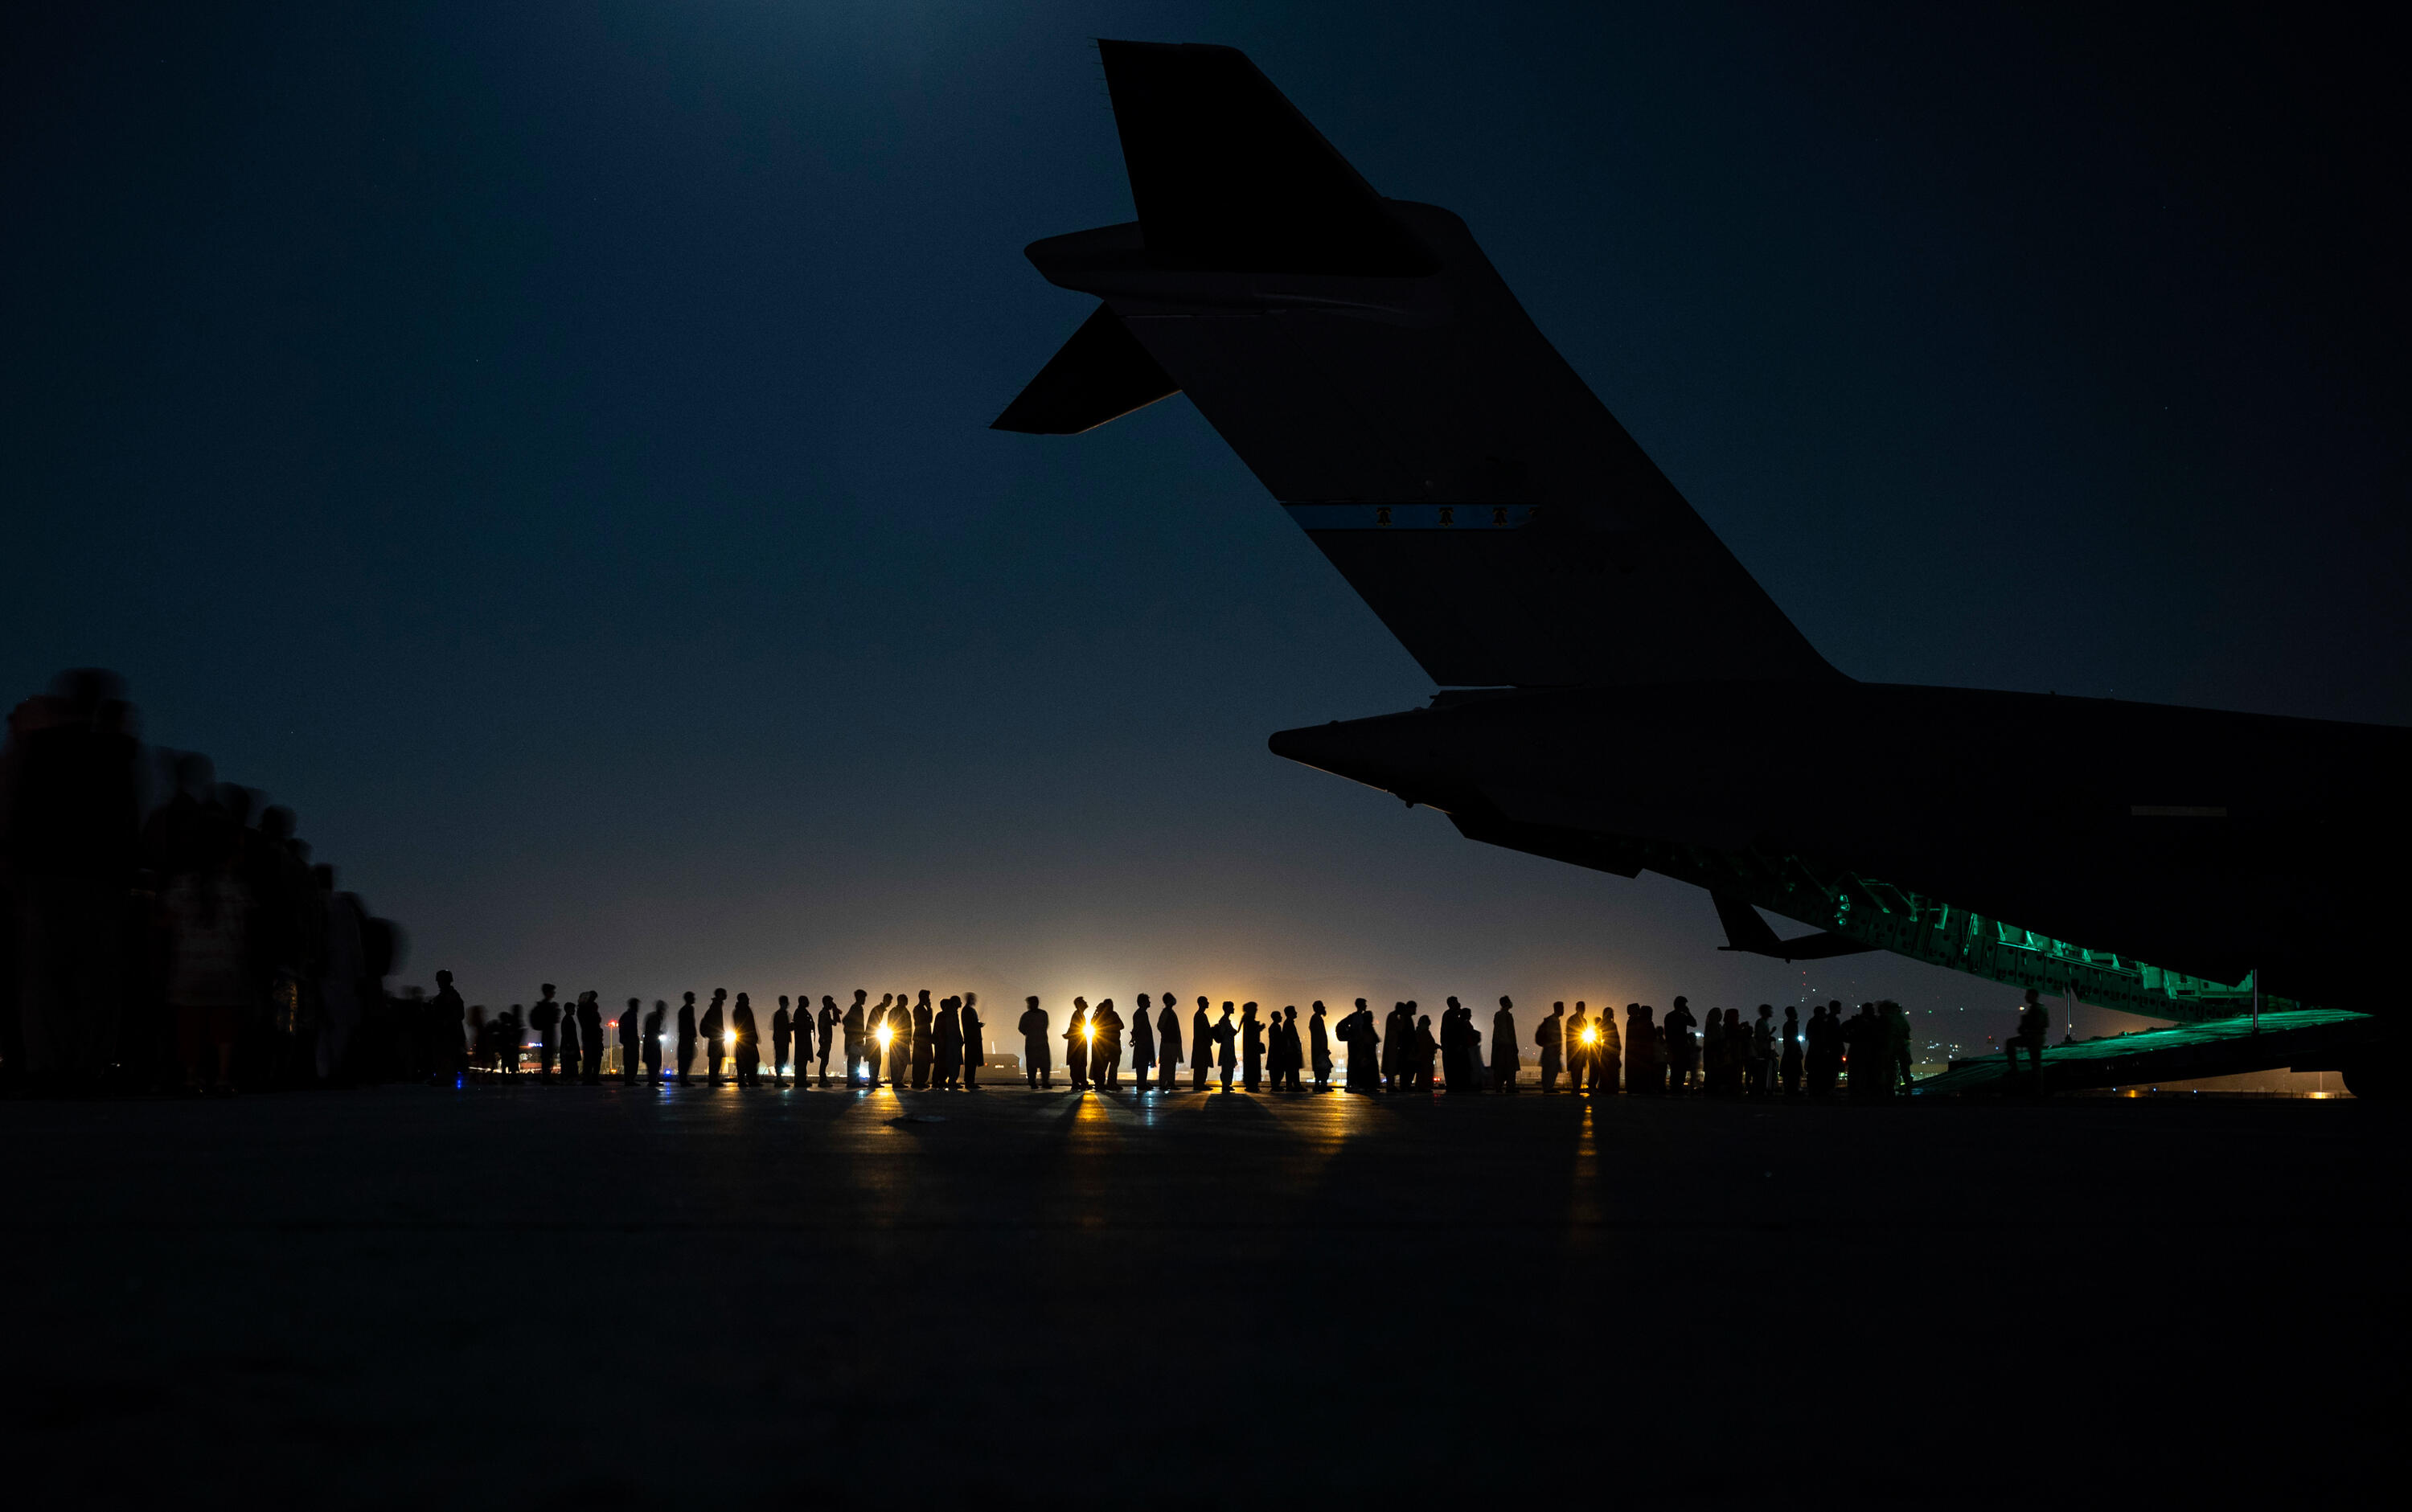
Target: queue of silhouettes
(160, 929)
(916, 1045)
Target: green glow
(1906, 923)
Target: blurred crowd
(164, 929)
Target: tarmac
(597, 1297)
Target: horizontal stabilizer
(1747, 933)
(1228, 175)
(1101, 375)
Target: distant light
(728, 1037)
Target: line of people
(943, 1045)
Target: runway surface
(594, 1297)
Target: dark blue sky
(546, 445)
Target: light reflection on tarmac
(525, 1293)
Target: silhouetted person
(687, 1036)
(781, 1032)
(1645, 1053)
(1683, 1047)
(1201, 1041)
(1142, 1044)
(1456, 1075)
(1607, 1058)
(831, 1021)
(590, 1032)
(1293, 1050)
(510, 1033)
(1789, 1057)
(1581, 1040)
(652, 1044)
(2034, 1029)
(924, 1058)
(1168, 1042)
(572, 1041)
(947, 1046)
(1423, 1051)
(1319, 1041)
(1227, 1043)
(1866, 1069)
(545, 1018)
(715, 1028)
(1549, 1038)
(1037, 1049)
(1106, 1051)
(1077, 1040)
(901, 1043)
(1896, 1020)
(1278, 1063)
(975, 1045)
(1763, 1051)
(748, 1042)
(1252, 1047)
(1505, 1064)
(1397, 1056)
(445, 1014)
(857, 1025)
(1356, 1032)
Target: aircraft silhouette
(1616, 690)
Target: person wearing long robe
(1293, 1049)
(1318, 1046)
(1142, 1044)
(1201, 1040)
(1227, 1042)
(1789, 1060)
(925, 1048)
(1077, 1039)
(1608, 1067)
(1505, 1064)
(899, 1043)
(1398, 1029)
(781, 1033)
(947, 1060)
(1423, 1050)
(1168, 1042)
(686, 1040)
(651, 1044)
(748, 1042)
(1252, 1047)
(975, 1041)
(1105, 1050)
(1277, 1045)
(1356, 1032)
(1038, 1051)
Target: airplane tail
(1367, 363)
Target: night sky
(546, 445)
